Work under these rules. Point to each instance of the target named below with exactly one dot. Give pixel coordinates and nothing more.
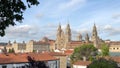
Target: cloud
(116, 16)
(108, 27)
(50, 25)
(115, 32)
(24, 32)
(111, 31)
(39, 15)
(71, 4)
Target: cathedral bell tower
(60, 39)
(94, 33)
(68, 34)
(59, 31)
(95, 37)
(87, 38)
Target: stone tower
(60, 40)
(87, 38)
(59, 31)
(63, 38)
(94, 33)
(57, 43)
(95, 37)
(79, 37)
(68, 34)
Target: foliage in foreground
(104, 50)
(35, 64)
(87, 51)
(103, 63)
(11, 11)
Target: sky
(42, 20)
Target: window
(4, 66)
(114, 48)
(117, 48)
(23, 66)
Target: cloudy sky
(43, 20)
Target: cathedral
(64, 41)
(63, 38)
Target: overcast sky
(43, 20)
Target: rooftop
(23, 57)
(82, 63)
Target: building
(84, 64)
(62, 58)
(64, 39)
(32, 46)
(114, 46)
(21, 60)
(81, 64)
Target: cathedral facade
(63, 38)
(64, 41)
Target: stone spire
(60, 39)
(94, 33)
(79, 37)
(59, 31)
(87, 38)
(95, 37)
(68, 33)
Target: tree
(5, 50)
(104, 50)
(11, 11)
(86, 51)
(103, 63)
(36, 64)
(11, 50)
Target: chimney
(84, 58)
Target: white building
(81, 64)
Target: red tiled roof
(42, 57)
(39, 42)
(56, 54)
(1, 46)
(51, 42)
(23, 57)
(115, 58)
(115, 43)
(68, 52)
(82, 63)
(76, 42)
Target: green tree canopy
(103, 63)
(105, 50)
(84, 51)
(5, 50)
(11, 11)
(11, 50)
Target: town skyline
(41, 20)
